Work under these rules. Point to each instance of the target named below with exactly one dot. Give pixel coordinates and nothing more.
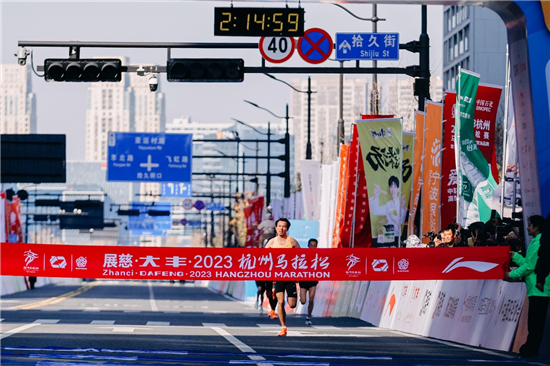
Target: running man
(267, 287)
(308, 287)
(284, 241)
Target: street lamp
(287, 145)
(309, 92)
(268, 134)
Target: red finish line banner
(163, 263)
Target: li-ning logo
(29, 257)
(475, 265)
(380, 265)
(352, 261)
(58, 262)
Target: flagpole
(410, 229)
(357, 157)
(457, 148)
(505, 137)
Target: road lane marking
(55, 300)
(125, 329)
(158, 323)
(17, 330)
(47, 321)
(152, 297)
(241, 346)
(103, 322)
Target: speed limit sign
(277, 49)
(187, 203)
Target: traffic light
(205, 70)
(82, 69)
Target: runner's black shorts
(308, 284)
(288, 286)
(265, 285)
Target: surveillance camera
(153, 83)
(22, 54)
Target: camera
(22, 54)
(153, 83)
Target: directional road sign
(315, 46)
(149, 225)
(149, 157)
(176, 189)
(367, 46)
(215, 206)
(277, 49)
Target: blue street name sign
(149, 225)
(176, 189)
(367, 46)
(149, 157)
(215, 206)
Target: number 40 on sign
(277, 49)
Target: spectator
(475, 228)
(267, 229)
(542, 268)
(538, 300)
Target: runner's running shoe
(308, 321)
(282, 333)
(272, 314)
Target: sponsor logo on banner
(352, 260)
(380, 265)
(403, 265)
(475, 265)
(30, 256)
(81, 263)
(58, 262)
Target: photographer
(538, 300)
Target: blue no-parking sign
(315, 46)
(149, 157)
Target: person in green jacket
(538, 300)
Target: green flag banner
(476, 184)
(381, 145)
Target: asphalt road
(162, 323)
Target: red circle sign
(315, 46)
(277, 49)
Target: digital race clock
(260, 22)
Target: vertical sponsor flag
(347, 223)
(253, 216)
(487, 101)
(407, 165)
(475, 180)
(310, 188)
(340, 196)
(362, 237)
(448, 165)
(381, 146)
(432, 169)
(418, 164)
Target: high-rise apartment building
(109, 107)
(484, 54)
(125, 106)
(324, 114)
(400, 101)
(17, 102)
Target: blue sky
(61, 106)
